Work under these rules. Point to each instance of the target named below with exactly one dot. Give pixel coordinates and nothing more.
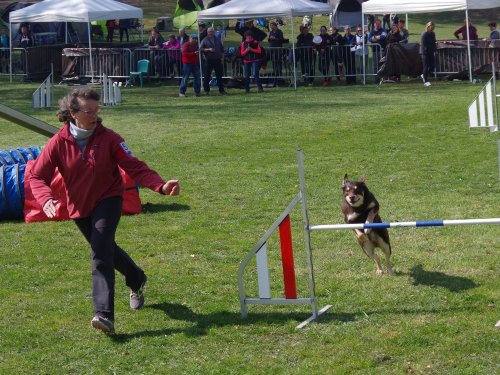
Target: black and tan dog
(359, 206)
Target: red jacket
(188, 53)
(90, 176)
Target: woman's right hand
(50, 208)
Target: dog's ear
(344, 180)
(362, 179)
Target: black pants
(211, 65)
(123, 31)
(429, 63)
(99, 229)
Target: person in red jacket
(87, 156)
(190, 64)
(251, 52)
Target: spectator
(322, 44)
(427, 50)
(251, 53)
(360, 48)
(190, 65)
(386, 20)
(243, 26)
(463, 31)
(371, 22)
(337, 52)
(394, 19)
(393, 36)
(402, 31)
(183, 37)
(88, 156)
(202, 31)
(110, 26)
(123, 26)
(304, 48)
(494, 33)
(349, 55)
(4, 50)
(220, 33)
(276, 40)
(213, 52)
(378, 39)
(25, 38)
(174, 55)
(155, 43)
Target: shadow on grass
(431, 278)
(203, 322)
(151, 208)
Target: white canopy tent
(429, 6)
(73, 11)
(249, 9)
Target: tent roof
(75, 11)
(425, 6)
(260, 9)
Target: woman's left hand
(171, 187)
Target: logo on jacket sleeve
(125, 148)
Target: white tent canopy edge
(73, 11)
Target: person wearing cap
(305, 53)
(213, 52)
(251, 53)
(276, 40)
(494, 33)
(427, 51)
(402, 31)
(243, 26)
(322, 45)
(190, 65)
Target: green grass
(236, 159)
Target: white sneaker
(182, 95)
(422, 76)
(427, 84)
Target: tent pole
(468, 42)
(199, 54)
(293, 54)
(363, 46)
(10, 50)
(66, 32)
(90, 52)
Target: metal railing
(336, 62)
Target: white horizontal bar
(432, 223)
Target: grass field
(236, 159)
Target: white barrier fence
(111, 93)
(42, 97)
(483, 112)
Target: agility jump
(282, 224)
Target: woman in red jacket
(88, 155)
(251, 52)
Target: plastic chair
(142, 70)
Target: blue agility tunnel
(19, 155)
(11, 191)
